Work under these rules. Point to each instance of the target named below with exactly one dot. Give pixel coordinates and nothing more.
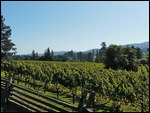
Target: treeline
(114, 56)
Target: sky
(75, 25)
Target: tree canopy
(118, 57)
(7, 46)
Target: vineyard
(128, 90)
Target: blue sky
(75, 25)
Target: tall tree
(33, 55)
(7, 47)
(52, 53)
(102, 52)
(36, 55)
(97, 59)
(47, 54)
(103, 44)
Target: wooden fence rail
(16, 93)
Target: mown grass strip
(60, 106)
(49, 98)
(66, 97)
(38, 100)
(35, 104)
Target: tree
(80, 56)
(36, 55)
(103, 44)
(33, 55)
(90, 57)
(47, 54)
(102, 52)
(70, 55)
(138, 53)
(118, 57)
(7, 47)
(52, 53)
(131, 56)
(97, 56)
(113, 54)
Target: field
(67, 80)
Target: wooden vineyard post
(57, 93)
(91, 100)
(82, 100)
(11, 85)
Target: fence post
(8, 88)
(5, 93)
(91, 99)
(11, 85)
(82, 100)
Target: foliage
(117, 85)
(118, 57)
(7, 47)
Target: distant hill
(92, 50)
(143, 46)
(140, 45)
(59, 52)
